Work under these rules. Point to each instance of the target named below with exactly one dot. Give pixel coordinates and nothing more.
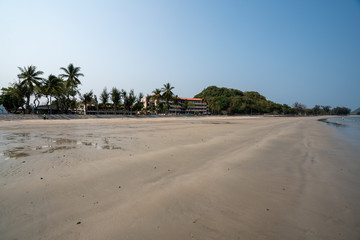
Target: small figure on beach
(44, 116)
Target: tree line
(61, 90)
(229, 101)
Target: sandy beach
(177, 178)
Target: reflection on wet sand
(41, 144)
(336, 124)
(15, 153)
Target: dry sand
(177, 178)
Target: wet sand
(177, 178)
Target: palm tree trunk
(36, 100)
(50, 106)
(47, 103)
(27, 110)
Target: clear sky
(306, 50)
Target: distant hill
(356, 112)
(232, 101)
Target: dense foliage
(155, 101)
(62, 90)
(232, 101)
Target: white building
(181, 106)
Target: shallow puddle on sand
(50, 145)
(87, 143)
(52, 149)
(17, 152)
(109, 147)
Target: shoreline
(178, 178)
(19, 117)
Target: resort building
(181, 106)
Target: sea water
(348, 127)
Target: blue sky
(306, 51)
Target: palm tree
(167, 94)
(156, 96)
(52, 86)
(30, 78)
(38, 93)
(86, 98)
(71, 75)
(115, 97)
(147, 101)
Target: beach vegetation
(300, 108)
(341, 111)
(129, 99)
(51, 87)
(13, 97)
(65, 87)
(86, 98)
(30, 78)
(71, 76)
(104, 97)
(115, 97)
(167, 94)
(138, 106)
(233, 101)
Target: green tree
(29, 79)
(341, 111)
(52, 86)
(299, 108)
(71, 77)
(138, 106)
(160, 108)
(38, 93)
(115, 97)
(316, 110)
(96, 104)
(86, 98)
(13, 97)
(326, 109)
(187, 106)
(129, 99)
(104, 97)
(157, 96)
(286, 109)
(167, 94)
